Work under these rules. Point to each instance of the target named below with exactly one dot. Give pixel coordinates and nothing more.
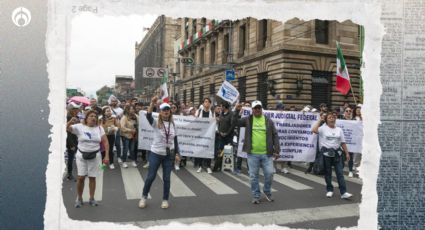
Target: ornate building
(292, 62)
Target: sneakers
(93, 203)
(209, 170)
(350, 174)
(199, 170)
(164, 204)
(111, 166)
(329, 194)
(346, 195)
(237, 172)
(119, 160)
(284, 170)
(269, 197)
(78, 203)
(255, 201)
(142, 202)
(176, 167)
(124, 165)
(134, 164)
(146, 165)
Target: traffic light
(186, 60)
(271, 85)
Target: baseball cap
(164, 106)
(256, 103)
(73, 105)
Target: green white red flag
(163, 88)
(342, 78)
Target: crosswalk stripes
(354, 180)
(313, 178)
(289, 182)
(178, 188)
(99, 188)
(133, 183)
(245, 182)
(211, 182)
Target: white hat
(73, 105)
(256, 103)
(164, 106)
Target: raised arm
(150, 109)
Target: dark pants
(111, 141)
(220, 142)
(71, 157)
(118, 143)
(129, 145)
(350, 162)
(338, 165)
(202, 162)
(167, 165)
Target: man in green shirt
(262, 145)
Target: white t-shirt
(330, 137)
(159, 139)
(88, 137)
(117, 112)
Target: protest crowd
(103, 137)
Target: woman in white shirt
(88, 158)
(331, 138)
(163, 147)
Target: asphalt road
(300, 199)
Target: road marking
(288, 182)
(133, 183)
(354, 179)
(245, 182)
(281, 217)
(310, 177)
(211, 182)
(177, 188)
(99, 188)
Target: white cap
(73, 105)
(256, 103)
(164, 105)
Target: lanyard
(167, 134)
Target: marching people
(331, 139)
(204, 111)
(88, 158)
(116, 112)
(357, 156)
(71, 139)
(164, 151)
(224, 135)
(262, 145)
(238, 167)
(348, 115)
(93, 106)
(128, 125)
(111, 125)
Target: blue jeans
(338, 165)
(129, 145)
(118, 143)
(255, 161)
(167, 165)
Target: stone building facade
(157, 49)
(123, 89)
(292, 62)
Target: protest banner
(297, 141)
(353, 134)
(228, 92)
(196, 136)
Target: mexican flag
(163, 88)
(342, 77)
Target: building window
(321, 31)
(186, 28)
(212, 53)
(262, 88)
(192, 94)
(184, 96)
(212, 89)
(201, 58)
(242, 88)
(262, 34)
(225, 48)
(242, 40)
(321, 88)
(193, 26)
(203, 22)
(192, 55)
(201, 94)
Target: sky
(102, 47)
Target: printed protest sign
(228, 92)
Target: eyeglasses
(257, 108)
